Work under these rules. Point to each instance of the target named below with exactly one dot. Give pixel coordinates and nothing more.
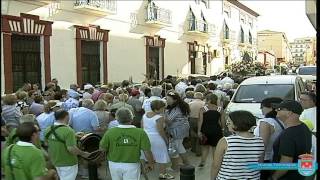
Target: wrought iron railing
(154, 13)
(109, 5)
(197, 25)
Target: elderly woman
(200, 88)
(100, 108)
(234, 153)
(227, 88)
(189, 96)
(108, 98)
(36, 107)
(22, 97)
(47, 119)
(155, 95)
(10, 113)
(123, 98)
(178, 125)
(195, 107)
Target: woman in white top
(153, 124)
(269, 128)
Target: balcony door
(154, 63)
(90, 62)
(154, 57)
(26, 62)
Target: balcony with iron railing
(158, 16)
(229, 36)
(100, 7)
(198, 27)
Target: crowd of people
(156, 122)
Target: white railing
(158, 14)
(109, 5)
(197, 25)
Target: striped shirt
(240, 152)
(11, 115)
(178, 124)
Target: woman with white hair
(227, 88)
(123, 98)
(46, 118)
(155, 95)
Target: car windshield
(257, 92)
(308, 71)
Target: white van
(308, 73)
(252, 91)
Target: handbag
(203, 140)
(172, 150)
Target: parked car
(308, 73)
(252, 91)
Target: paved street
(201, 173)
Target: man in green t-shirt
(62, 146)
(23, 161)
(123, 145)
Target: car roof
(307, 66)
(274, 79)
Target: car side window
(302, 85)
(298, 89)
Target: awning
(245, 30)
(208, 16)
(227, 22)
(197, 12)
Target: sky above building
(285, 16)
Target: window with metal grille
(242, 36)
(226, 31)
(90, 62)
(26, 62)
(250, 38)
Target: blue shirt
(83, 120)
(45, 120)
(70, 103)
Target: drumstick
(144, 173)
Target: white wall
(124, 60)
(126, 46)
(63, 56)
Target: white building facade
(96, 41)
(303, 50)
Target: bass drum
(89, 142)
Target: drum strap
(10, 163)
(53, 131)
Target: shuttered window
(90, 62)
(26, 62)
